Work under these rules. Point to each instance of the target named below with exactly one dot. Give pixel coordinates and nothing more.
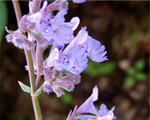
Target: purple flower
(53, 28)
(94, 49)
(19, 40)
(41, 19)
(87, 111)
(55, 82)
(74, 57)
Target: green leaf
(131, 71)
(129, 81)
(94, 69)
(37, 93)
(3, 18)
(67, 98)
(141, 77)
(107, 67)
(24, 87)
(140, 64)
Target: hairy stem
(35, 102)
(17, 10)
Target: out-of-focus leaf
(129, 81)
(133, 35)
(141, 77)
(67, 98)
(131, 71)
(65, 118)
(94, 69)
(24, 87)
(97, 106)
(140, 64)
(3, 18)
(20, 117)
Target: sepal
(8, 31)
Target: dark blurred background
(123, 81)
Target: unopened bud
(47, 87)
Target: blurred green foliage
(134, 35)
(95, 69)
(20, 117)
(67, 98)
(135, 73)
(3, 18)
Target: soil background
(114, 24)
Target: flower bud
(47, 87)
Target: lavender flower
(94, 49)
(87, 111)
(53, 28)
(19, 40)
(63, 80)
(63, 66)
(74, 57)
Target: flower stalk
(35, 102)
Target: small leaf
(37, 93)
(129, 81)
(141, 77)
(140, 64)
(24, 87)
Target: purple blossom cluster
(68, 56)
(46, 29)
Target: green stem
(17, 10)
(35, 102)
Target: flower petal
(88, 106)
(103, 110)
(75, 21)
(94, 49)
(79, 1)
(78, 40)
(108, 116)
